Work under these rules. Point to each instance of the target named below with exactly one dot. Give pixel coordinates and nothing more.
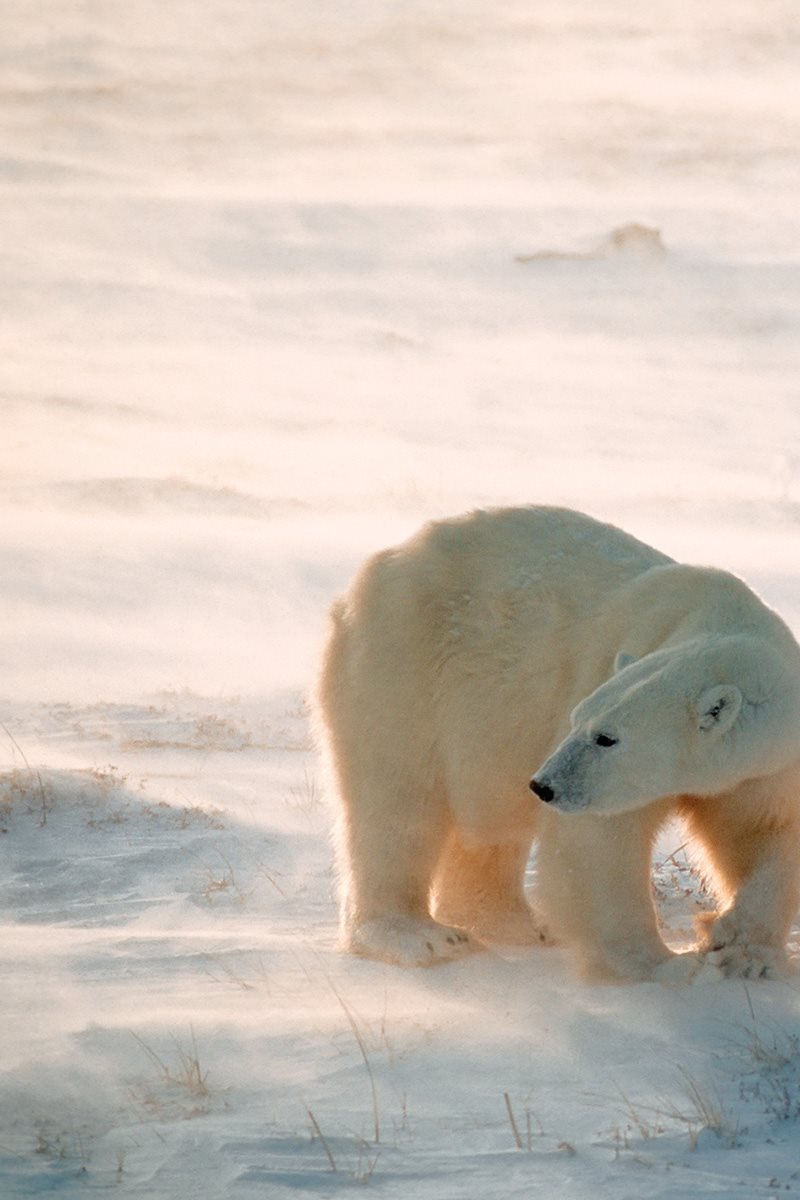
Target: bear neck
(681, 604)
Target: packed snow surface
(279, 282)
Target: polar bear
(532, 674)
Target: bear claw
(409, 942)
(737, 962)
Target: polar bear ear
(718, 708)
(622, 661)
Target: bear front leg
(594, 884)
(755, 863)
(758, 877)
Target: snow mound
(631, 242)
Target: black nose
(542, 790)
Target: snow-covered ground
(278, 282)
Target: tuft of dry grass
(526, 1142)
(188, 1074)
(223, 881)
(306, 797)
(705, 1111)
(701, 1109)
(184, 1082)
(33, 775)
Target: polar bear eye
(605, 739)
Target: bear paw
(409, 942)
(728, 947)
(743, 961)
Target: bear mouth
(559, 801)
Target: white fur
(498, 646)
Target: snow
(279, 282)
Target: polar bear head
(695, 719)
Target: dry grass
(376, 1125)
(183, 1090)
(187, 1074)
(317, 1132)
(221, 880)
(704, 1110)
(700, 1108)
(524, 1142)
(34, 777)
(306, 797)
